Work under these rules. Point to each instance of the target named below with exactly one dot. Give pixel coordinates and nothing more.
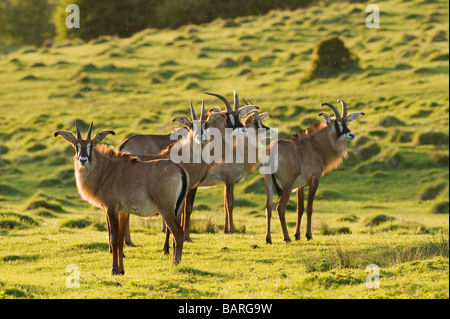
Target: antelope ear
(265, 116)
(101, 135)
(326, 116)
(183, 120)
(68, 136)
(214, 116)
(354, 116)
(247, 109)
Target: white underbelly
(144, 208)
(300, 181)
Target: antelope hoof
(308, 236)
(130, 243)
(115, 272)
(165, 251)
(288, 240)
(188, 239)
(268, 240)
(297, 236)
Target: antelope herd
(149, 174)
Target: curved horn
(194, 117)
(344, 108)
(236, 101)
(331, 106)
(78, 131)
(203, 116)
(224, 100)
(90, 131)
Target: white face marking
(239, 131)
(232, 119)
(347, 137)
(89, 149)
(199, 132)
(83, 160)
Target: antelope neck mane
(110, 152)
(309, 131)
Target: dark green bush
(378, 219)
(368, 151)
(433, 138)
(432, 192)
(390, 121)
(441, 208)
(76, 223)
(329, 57)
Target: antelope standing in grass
(231, 173)
(302, 160)
(122, 185)
(152, 144)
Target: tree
(26, 21)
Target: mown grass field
(386, 205)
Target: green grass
(377, 208)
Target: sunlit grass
(374, 209)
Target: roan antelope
(302, 160)
(231, 173)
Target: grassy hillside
(386, 205)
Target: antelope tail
(277, 187)
(183, 189)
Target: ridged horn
(247, 102)
(90, 131)
(344, 108)
(331, 106)
(224, 100)
(236, 101)
(78, 131)
(203, 116)
(194, 117)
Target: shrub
(432, 192)
(391, 121)
(433, 138)
(378, 219)
(329, 57)
(369, 151)
(77, 223)
(441, 208)
(13, 220)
